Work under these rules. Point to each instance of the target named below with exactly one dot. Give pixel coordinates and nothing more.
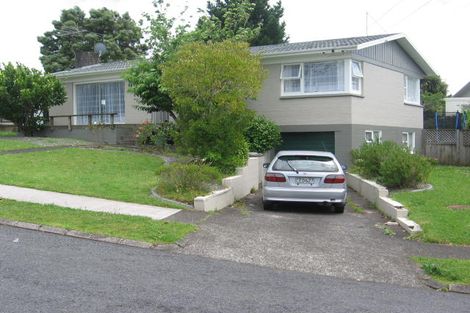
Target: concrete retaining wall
(119, 134)
(378, 195)
(248, 178)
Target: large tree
(26, 96)
(211, 99)
(75, 32)
(263, 15)
(433, 92)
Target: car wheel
(339, 208)
(267, 205)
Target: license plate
(305, 180)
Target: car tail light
(335, 179)
(275, 177)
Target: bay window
(324, 77)
(412, 90)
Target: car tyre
(267, 205)
(339, 208)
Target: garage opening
(313, 141)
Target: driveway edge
(88, 236)
(428, 281)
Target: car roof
(305, 152)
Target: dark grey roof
(464, 92)
(340, 43)
(117, 66)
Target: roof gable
(464, 92)
(117, 66)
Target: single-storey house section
(330, 95)
(99, 89)
(334, 95)
(460, 101)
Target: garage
(317, 141)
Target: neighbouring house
(328, 95)
(460, 101)
(93, 93)
(336, 94)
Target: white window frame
(359, 76)
(417, 94)
(375, 135)
(347, 79)
(410, 142)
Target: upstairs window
(412, 92)
(313, 78)
(291, 78)
(356, 76)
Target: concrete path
(84, 202)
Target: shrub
(160, 135)
(391, 164)
(188, 180)
(262, 134)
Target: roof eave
(70, 75)
(306, 52)
(416, 56)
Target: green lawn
(430, 209)
(7, 134)
(114, 225)
(446, 271)
(10, 144)
(111, 174)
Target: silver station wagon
(305, 176)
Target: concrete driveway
(312, 239)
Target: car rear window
(305, 163)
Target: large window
(100, 98)
(326, 77)
(412, 92)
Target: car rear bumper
(330, 195)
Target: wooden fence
(448, 146)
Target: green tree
(211, 99)
(433, 92)
(263, 18)
(75, 32)
(262, 134)
(26, 95)
(165, 35)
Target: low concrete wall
(119, 134)
(378, 195)
(248, 178)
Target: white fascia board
(416, 56)
(380, 41)
(306, 52)
(86, 74)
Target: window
(356, 77)
(313, 78)
(408, 139)
(100, 98)
(305, 163)
(291, 78)
(412, 92)
(373, 136)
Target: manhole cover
(459, 207)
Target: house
(460, 101)
(330, 95)
(336, 94)
(99, 90)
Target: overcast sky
(437, 28)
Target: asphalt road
(50, 273)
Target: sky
(438, 29)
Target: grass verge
(106, 224)
(10, 144)
(7, 134)
(447, 271)
(444, 211)
(110, 174)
